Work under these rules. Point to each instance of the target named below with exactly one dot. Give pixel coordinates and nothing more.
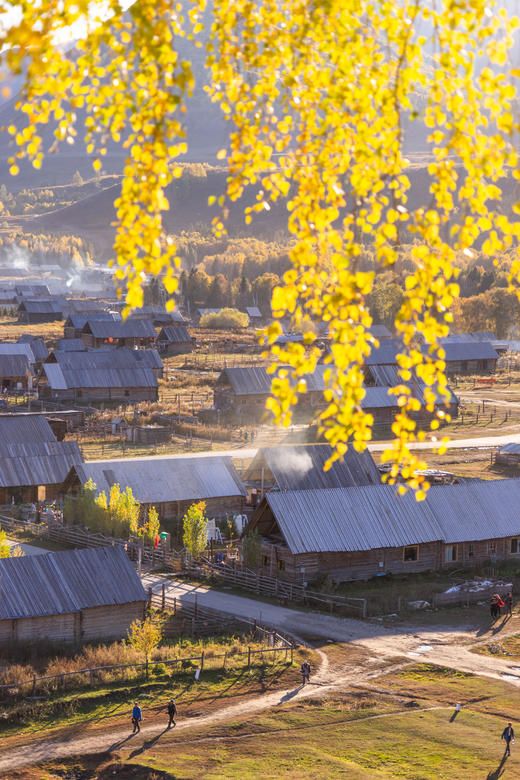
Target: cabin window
(451, 553)
(265, 560)
(492, 548)
(281, 565)
(471, 551)
(411, 553)
(127, 393)
(80, 393)
(515, 546)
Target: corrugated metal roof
(162, 480)
(38, 346)
(67, 379)
(513, 447)
(71, 345)
(468, 350)
(175, 334)
(301, 467)
(352, 519)
(378, 398)
(253, 311)
(65, 582)
(385, 353)
(28, 290)
(44, 305)
(30, 454)
(380, 332)
(13, 366)
(77, 321)
(368, 518)
(254, 380)
(8, 348)
(103, 368)
(128, 329)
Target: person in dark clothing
(500, 603)
(509, 735)
(509, 604)
(172, 712)
(306, 672)
(137, 717)
(493, 608)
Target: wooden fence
(279, 589)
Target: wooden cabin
(37, 310)
(171, 483)
(174, 340)
(75, 322)
(15, 373)
(132, 332)
(72, 596)
(33, 463)
(302, 467)
(362, 532)
(100, 376)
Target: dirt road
(437, 644)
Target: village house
(362, 532)
(301, 467)
(71, 596)
(243, 392)
(37, 310)
(33, 463)
(31, 290)
(171, 483)
(128, 333)
(22, 348)
(469, 356)
(15, 373)
(159, 315)
(100, 376)
(174, 340)
(38, 347)
(75, 323)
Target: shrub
(225, 319)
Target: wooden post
(248, 657)
(34, 687)
(202, 661)
(163, 600)
(149, 595)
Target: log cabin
(132, 332)
(361, 532)
(72, 596)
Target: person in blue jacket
(137, 717)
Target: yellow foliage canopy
(316, 93)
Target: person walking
(509, 604)
(172, 712)
(500, 603)
(493, 607)
(306, 672)
(137, 717)
(509, 735)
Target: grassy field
(401, 727)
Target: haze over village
(259, 391)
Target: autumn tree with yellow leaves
(316, 93)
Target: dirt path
(437, 645)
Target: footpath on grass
(390, 649)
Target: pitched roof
(301, 467)
(373, 517)
(77, 321)
(13, 366)
(169, 478)
(30, 454)
(8, 348)
(254, 380)
(30, 290)
(175, 334)
(385, 353)
(103, 368)
(128, 329)
(44, 305)
(71, 345)
(469, 350)
(38, 347)
(60, 583)
(253, 311)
